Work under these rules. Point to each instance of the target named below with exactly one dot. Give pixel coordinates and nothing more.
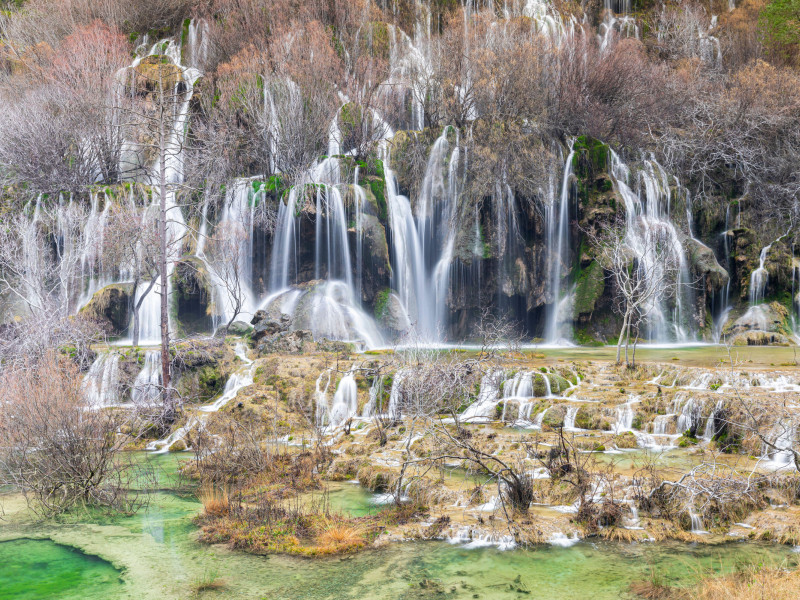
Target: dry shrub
(62, 455)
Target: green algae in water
(32, 569)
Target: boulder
(390, 313)
(239, 328)
(269, 324)
(705, 264)
(287, 342)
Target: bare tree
(644, 274)
(228, 252)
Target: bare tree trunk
(162, 234)
(135, 333)
(622, 333)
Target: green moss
(591, 156)
(382, 303)
(588, 289)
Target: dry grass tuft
(215, 501)
(341, 537)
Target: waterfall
(321, 398)
(237, 381)
(759, 278)
(147, 385)
(101, 383)
(569, 419)
(625, 417)
(484, 406)
(423, 243)
(558, 244)
(724, 306)
(711, 427)
(784, 436)
(345, 400)
(648, 221)
(689, 417)
(375, 397)
(697, 523)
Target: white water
(236, 382)
(649, 228)
(101, 383)
(147, 385)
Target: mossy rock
(111, 306)
(554, 417)
(589, 289)
(588, 417)
(625, 440)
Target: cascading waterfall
(101, 384)
(332, 307)
(558, 243)
(648, 221)
(423, 243)
(345, 400)
(147, 385)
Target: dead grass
(749, 584)
(340, 537)
(215, 501)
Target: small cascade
(345, 400)
(759, 278)
(101, 384)
(395, 408)
(147, 385)
(724, 306)
(569, 419)
(375, 395)
(196, 421)
(689, 418)
(237, 381)
(711, 427)
(519, 386)
(697, 523)
(784, 437)
(321, 398)
(484, 406)
(625, 415)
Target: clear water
(33, 569)
(159, 557)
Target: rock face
(269, 324)
(272, 333)
(111, 306)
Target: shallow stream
(154, 555)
